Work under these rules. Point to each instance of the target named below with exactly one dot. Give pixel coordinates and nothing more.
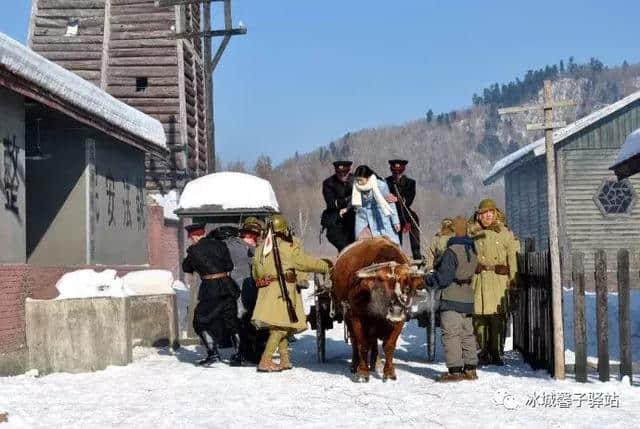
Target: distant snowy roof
(66, 85)
(228, 191)
(537, 148)
(629, 154)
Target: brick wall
(19, 281)
(164, 249)
(12, 295)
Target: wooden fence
(530, 304)
(602, 315)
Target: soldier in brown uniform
(271, 308)
(439, 242)
(496, 247)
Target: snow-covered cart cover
(226, 197)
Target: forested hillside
(449, 152)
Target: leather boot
(470, 372)
(209, 343)
(285, 362)
(236, 357)
(268, 365)
(455, 374)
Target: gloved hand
(406, 227)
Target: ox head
(393, 286)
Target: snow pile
(229, 191)
(88, 283)
(59, 82)
(149, 282)
(183, 300)
(169, 202)
(591, 335)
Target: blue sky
(307, 72)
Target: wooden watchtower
(127, 48)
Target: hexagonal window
(615, 198)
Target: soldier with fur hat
(496, 248)
(439, 242)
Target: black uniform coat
(337, 196)
(407, 191)
(216, 311)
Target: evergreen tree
(430, 115)
(561, 66)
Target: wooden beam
(210, 33)
(602, 323)
(624, 315)
(104, 69)
(579, 321)
(546, 126)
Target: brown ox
(374, 282)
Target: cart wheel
(320, 331)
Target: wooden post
(624, 315)
(579, 322)
(602, 331)
(208, 87)
(556, 278)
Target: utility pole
(556, 281)
(209, 64)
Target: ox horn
(366, 274)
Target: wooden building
(73, 167)
(595, 210)
(126, 48)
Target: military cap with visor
(195, 229)
(342, 165)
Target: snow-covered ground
(164, 390)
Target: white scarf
(371, 185)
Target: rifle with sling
(281, 280)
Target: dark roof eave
(27, 89)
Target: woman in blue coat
(375, 216)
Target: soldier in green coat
(439, 243)
(271, 309)
(496, 247)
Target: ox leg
(373, 355)
(389, 346)
(354, 346)
(361, 343)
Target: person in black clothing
(215, 317)
(404, 189)
(338, 217)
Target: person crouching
(454, 271)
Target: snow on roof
(45, 74)
(229, 191)
(537, 148)
(630, 148)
